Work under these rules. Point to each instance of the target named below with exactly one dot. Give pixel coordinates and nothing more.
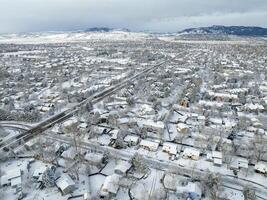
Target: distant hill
(228, 30)
(105, 29)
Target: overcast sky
(137, 15)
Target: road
(16, 124)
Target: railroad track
(59, 117)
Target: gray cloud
(154, 15)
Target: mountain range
(252, 31)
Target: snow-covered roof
(111, 184)
(131, 138)
(159, 125)
(217, 161)
(39, 171)
(153, 146)
(261, 167)
(190, 152)
(9, 175)
(122, 167)
(93, 157)
(16, 181)
(83, 125)
(210, 103)
(242, 163)
(217, 154)
(64, 182)
(223, 95)
(251, 106)
(169, 147)
(182, 127)
(69, 153)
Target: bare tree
(211, 183)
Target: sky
(136, 15)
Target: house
(70, 153)
(149, 145)
(254, 107)
(146, 110)
(239, 163)
(65, 184)
(122, 168)
(182, 128)
(16, 183)
(215, 157)
(223, 96)
(169, 148)
(32, 144)
(243, 163)
(110, 186)
(94, 159)
(191, 153)
(83, 126)
(57, 129)
(38, 172)
(261, 167)
(150, 125)
(114, 135)
(132, 140)
(125, 123)
(193, 189)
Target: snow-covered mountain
(105, 29)
(228, 30)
